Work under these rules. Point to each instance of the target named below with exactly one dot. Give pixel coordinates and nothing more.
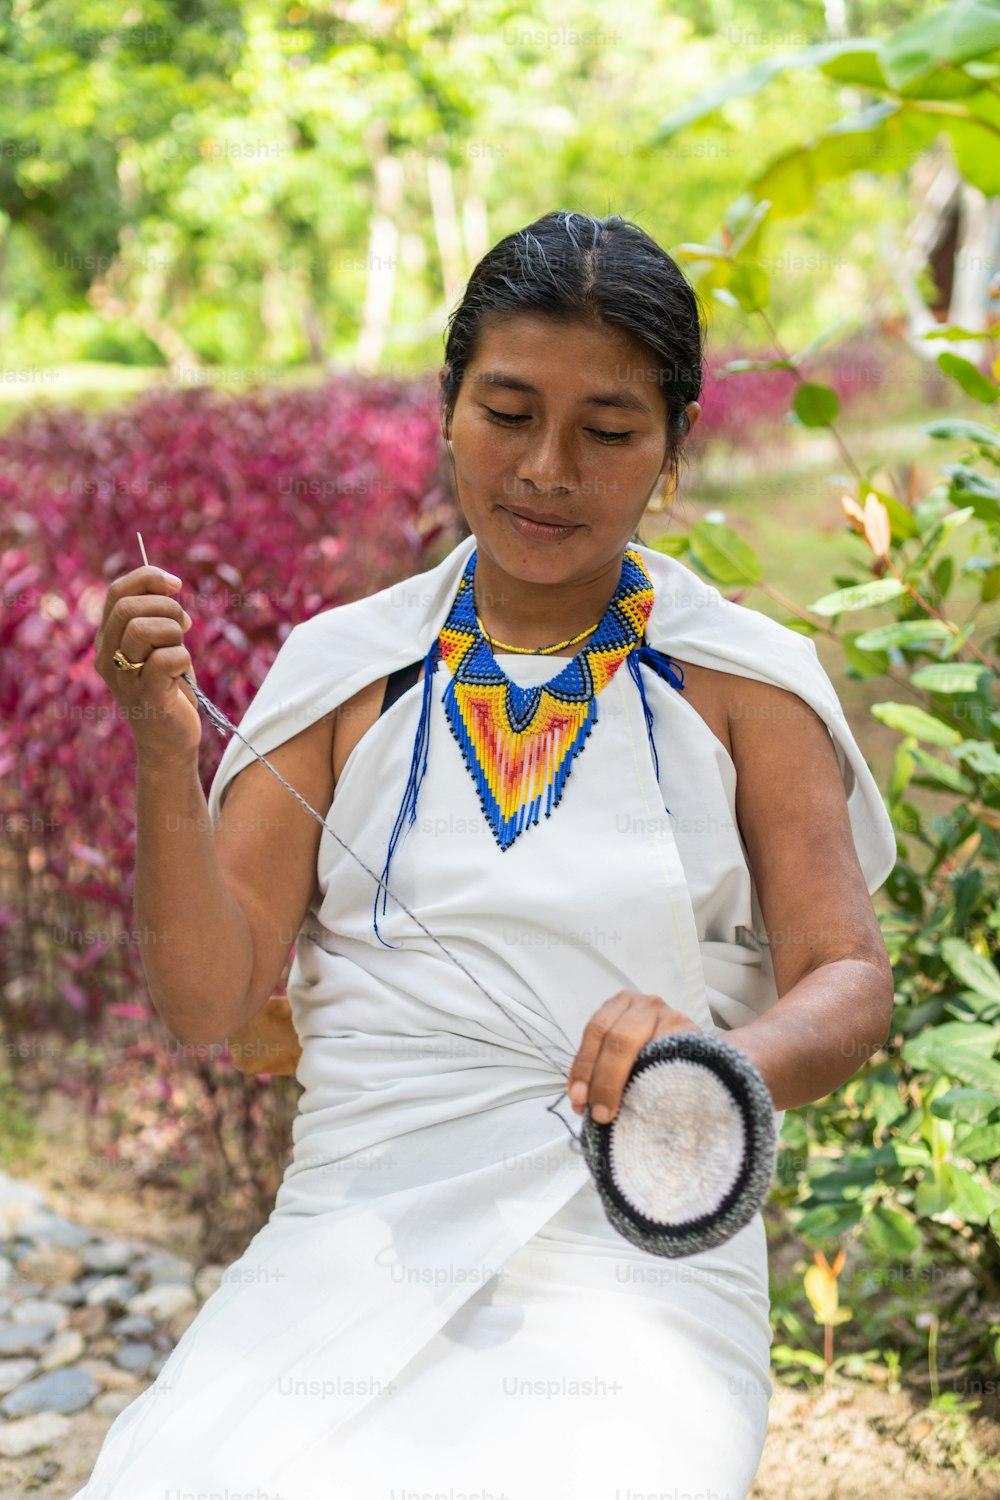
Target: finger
(619, 1050)
(142, 637)
(578, 1079)
(145, 580)
(132, 608)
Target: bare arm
(831, 967)
(219, 910)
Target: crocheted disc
(689, 1156)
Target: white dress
(437, 1305)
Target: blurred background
(230, 238)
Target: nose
(547, 463)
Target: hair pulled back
(572, 266)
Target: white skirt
(585, 1367)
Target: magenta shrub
(271, 507)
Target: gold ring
(123, 664)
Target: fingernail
(578, 1092)
(172, 578)
(601, 1113)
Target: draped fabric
(434, 1228)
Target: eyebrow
(621, 399)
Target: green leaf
(980, 1144)
(954, 427)
(936, 537)
(740, 366)
(949, 677)
(952, 335)
(959, 1049)
(902, 633)
(750, 286)
(892, 1232)
(976, 155)
(711, 101)
(909, 719)
(973, 382)
(981, 755)
(724, 556)
(972, 1199)
(942, 774)
(859, 596)
(672, 546)
(815, 405)
(956, 33)
(972, 1106)
(972, 968)
(866, 663)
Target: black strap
(399, 682)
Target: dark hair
(572, 266)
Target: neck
(518, 612)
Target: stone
(50, 1265)
(157, 1365)
(116, 1291)
(18, 1201)
(31, 1433)
(132, 1327)
(63, 1350)
(108, 1376)
(14, 1372)
(135, 1357)
(109, 1255)
(74, 1293)
(111, 1404)
(89, 1320)
(23, 1338)
(160, 1268)
(208, 1280)
(58, 1390)
(161, 1302)
(39, 1310)
(179, 1322)
(53, 1229)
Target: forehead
(553, 354)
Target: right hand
(146, 623)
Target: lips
(545, 520)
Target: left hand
(612, 1040)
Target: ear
(442, 377)
(693, 409)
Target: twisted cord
(221, 724)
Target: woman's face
(562, 421)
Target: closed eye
(510, 419)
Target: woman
(438, 1302)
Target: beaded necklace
(519, 743)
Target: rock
(6, 1270)
(113, 1403)
(116, 1291)
(53, 1229)
(50, 1265)
(14, 1372)
(24, 1338)
(74, 1293)
(89, 1320)
(39, 1310)
(132, 1327)
(32, 1433)
(162, 1302)
(63, 1350)
(108, 1376)
(18, 1201)
(135, 1357)
(157, 1365)
(160, 1268)
(208, 1280)
(179, 1322)
(109, 1255)
(58, 1390)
